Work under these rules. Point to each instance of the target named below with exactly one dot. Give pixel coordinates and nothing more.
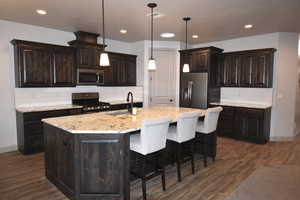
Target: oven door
(90, 77)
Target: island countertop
(115, 121)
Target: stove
(90, 102)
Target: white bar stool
(208, 126)
(151, 140)
(185, 131)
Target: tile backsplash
(25, 97)
(247, 95)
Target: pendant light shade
(152, 64)
(104, 60)
(186, 66)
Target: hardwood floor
(22, 177)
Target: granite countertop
(46, 108)
(115, 121)
(117, 102)
(244, 105)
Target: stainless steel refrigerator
(193, 90)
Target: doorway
(162, 82)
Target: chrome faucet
(131, 101)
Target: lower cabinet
(30, 130)
(88, 166)
(247, 124)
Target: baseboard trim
(281, 139)
(8, 148)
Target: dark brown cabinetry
(247, 124)
(63, 67)
(253, 68)
(122, 70)
(88, 166)
(30, 131)
(202, 61)
(44, 65)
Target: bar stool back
(208, 126)
(184, 131)
(151, 140)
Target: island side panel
(102, 167)
(59, 159)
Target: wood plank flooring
(22, 177)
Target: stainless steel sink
(116, 113)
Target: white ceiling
(211, 19)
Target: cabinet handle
(97, 78)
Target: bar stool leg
(192, 156)
(205, 150)
(144, 178)
(163, 175)
(178, 159)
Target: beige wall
(297, 106)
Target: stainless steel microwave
(90, 77)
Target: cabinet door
(35, 66)
(199, 62)
(64, 67)
(87, 57)
(245, 70)
(230, 70)
(131, 71)
(121, 72)
(249, 124)
(103, 166)
(226, 123)
(261, 70)
(110, 71)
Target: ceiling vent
(156, 15)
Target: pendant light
(186, 66)
(152, 64)
(104, 60)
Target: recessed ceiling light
(123, 31)
(195, 36)
(248, 26)
(41, 12)
(167, 35)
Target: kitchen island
(87, 156)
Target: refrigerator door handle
(190, 91)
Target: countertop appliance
(193, 90)
(90, 102)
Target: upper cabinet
(200, 59)
(88, 50)
(64, 60)
(252, 68)
(44, 65)
(122, 69)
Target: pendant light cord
(152, 33)
(186, 33)
(103, 24)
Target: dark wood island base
(88, 166)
